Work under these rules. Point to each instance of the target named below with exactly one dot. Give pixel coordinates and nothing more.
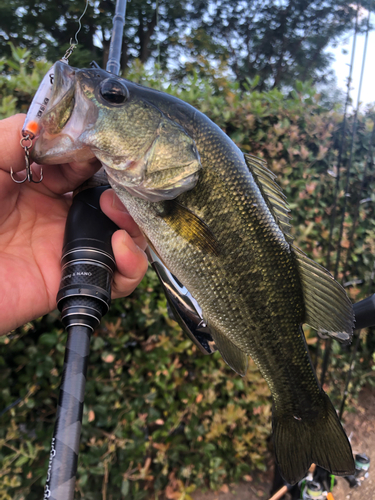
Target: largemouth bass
(220, 223)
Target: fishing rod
(350, 163)
(365, 309)
(368, 160)
(84, 297)
(368, 165)
(342, 142)
(327, 344)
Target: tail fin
(299, 442)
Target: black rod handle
(87, 262)
(364, 311)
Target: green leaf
(48, 339)
(299, 86)
(22, 460)
(125, 487)
(98, 344)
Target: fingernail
(128, 242)
(117, 204)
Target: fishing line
(369, 154)
(341, 146)
(38, 106)
(348, 169)
(158, 43)
(327, 346)
(68, 53)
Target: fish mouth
(67, 116)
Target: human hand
(32, 223)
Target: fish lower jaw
(51, 150)
(54, 159)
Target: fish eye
(113, 91)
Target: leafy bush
(20, 77)
(158, 415)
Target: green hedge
(160, 417)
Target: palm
(32, 227)
(32, 221)
(32, 224)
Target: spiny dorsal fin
(328, 308)
(272, 192)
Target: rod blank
(61, 474)
(113, 64)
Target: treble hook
(29, 172)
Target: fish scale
(220, 224)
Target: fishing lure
(31, 126)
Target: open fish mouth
(68, 115)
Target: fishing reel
(312, 490)
(319, 484)
(362, 465)
(319, 488)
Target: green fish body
(220, 224)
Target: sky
(342, 63)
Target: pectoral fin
(328, 308)
(190, 227)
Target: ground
(359, 425)
(362, 426)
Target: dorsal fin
(275, 198)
